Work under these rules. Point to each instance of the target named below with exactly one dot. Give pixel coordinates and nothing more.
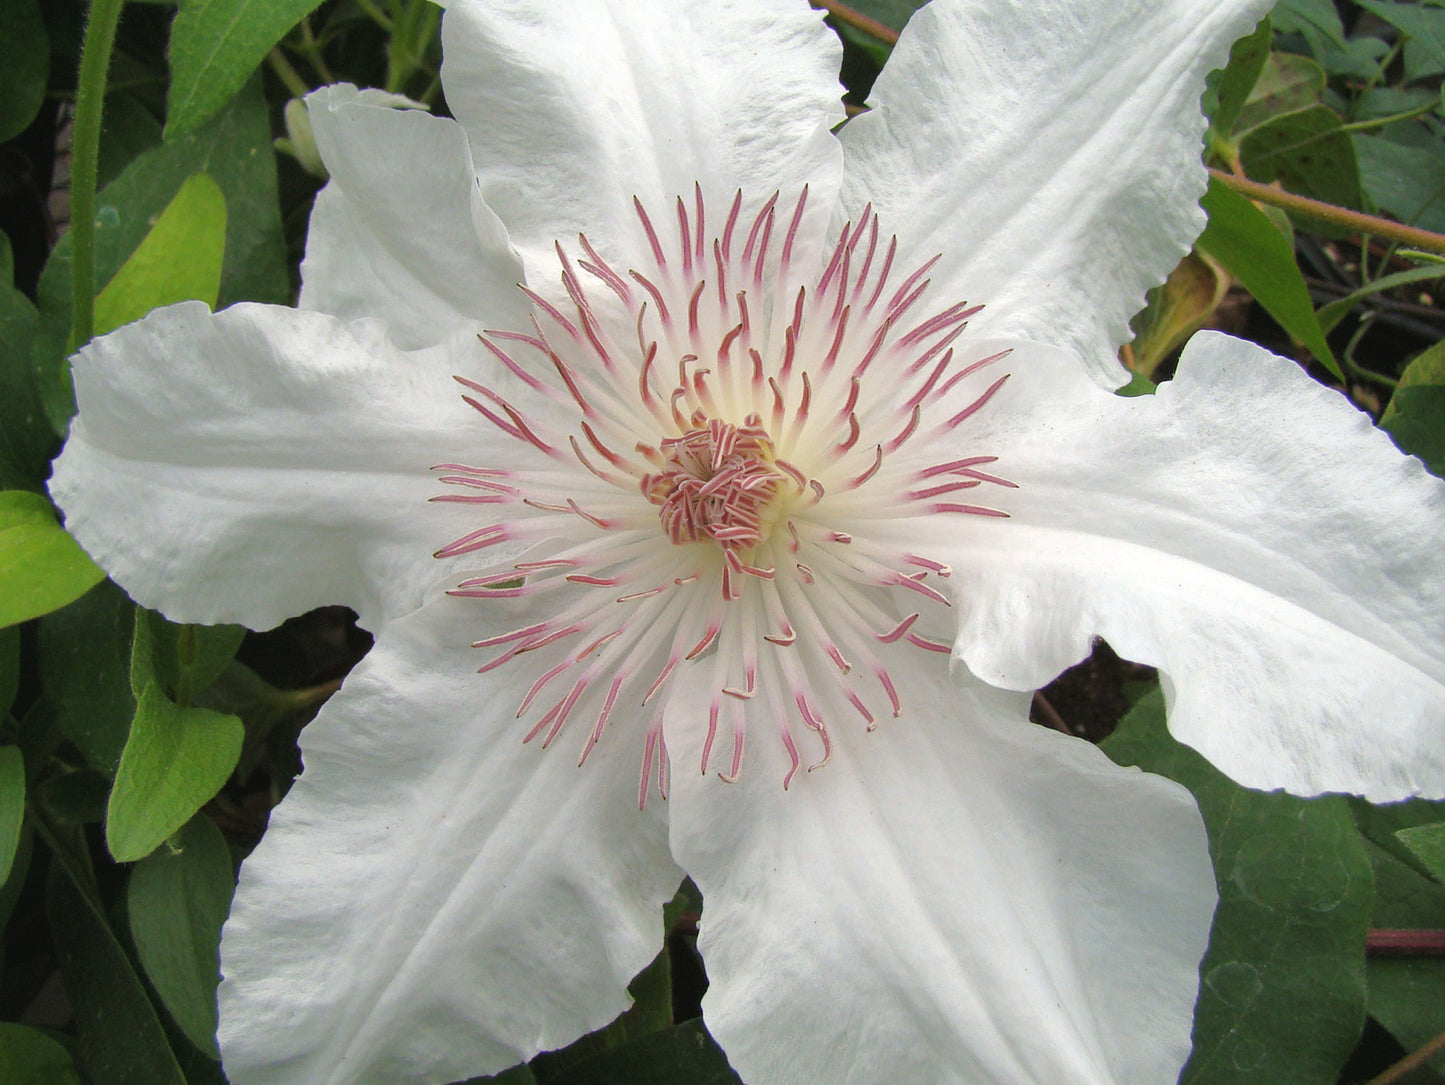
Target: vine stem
(1415, 1059)
(379, 17)
(85, 157)
(1380, 122)
(1394, 942)
(1328, 212)
(277, 62)
(313, 52)
(857, 20)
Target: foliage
(138, 758)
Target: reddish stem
(1391, 942)
(858, 20)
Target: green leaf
(1406, 181)
(11, 889)
(41, 567)
(1360, 59)
(1379, 824)
(130, 129)
(27, 442)
(651, 1010)
(891, 13)
(29, 1057)
(9, 669)
(1230, 85)
(234, 149)
(1312, 18)
(1243, 240)
(121, 1040)
(12, 807)
(1407, 993)
(1427, 844)
(1282, 998)
(24, 65)
(37, 735)
(74, 798)
(215, 46)
(1421, 62)
(1418, 425)
(85, 653)
(1330, 315)
(177, 900)
(1309, 152)
(685, 1055)
(520, 1074)
(1385, 102)
(1423, 24)
(188, 658)
(145, 668)
(1286, 82)
(174, 761)
(1415, 415)
(876, 51)
(1176, 309)
(175, 758)
(179, 260)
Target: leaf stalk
(1413, 1061)
(858, 21)
(1327, 212)
(95, 53)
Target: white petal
(573, 109)
(401, 233)
(251, 465)
(434, 899)
(1245, 530)
(957, 896)
(1050, 150)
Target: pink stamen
(600, 268)
(973, 407)
(793, 757)
(727, 237)
(898, 630)
(946, 319)
(762, 225)
(971, 510)
(792, 235)
(883, 273)
(682, 480)
(651, 234)
(602, 717)
(474, 540)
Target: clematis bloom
(731, 544)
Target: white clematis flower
(729, 493)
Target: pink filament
(725, 520)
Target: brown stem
(1390, 942)
(857, 20)
(1413, 1061)
(1328, 212)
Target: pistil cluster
(720, 483)
(713, 455)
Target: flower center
(711, 479)
(721, 484)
